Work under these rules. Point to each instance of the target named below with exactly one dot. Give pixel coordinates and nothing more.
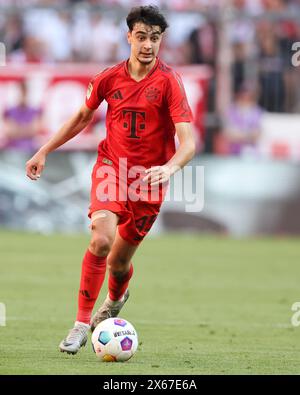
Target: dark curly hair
(149, 15)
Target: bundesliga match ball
(114, 340)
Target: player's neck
(137, 70)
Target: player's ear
(129, 37)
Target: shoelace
(109, 311)
(112, 310)
(106, 311)
(76, 333)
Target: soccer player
(147, 105)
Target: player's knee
(100, 244)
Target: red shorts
(135, 210)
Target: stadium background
(240, 66)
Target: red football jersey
(141, 116)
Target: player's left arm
(184, 153)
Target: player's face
(145, 41)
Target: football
(114, 340)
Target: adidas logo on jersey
(117, 95)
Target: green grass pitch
(201, 305)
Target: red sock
(92, 277)
(117, 285)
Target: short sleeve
(177, 101)
(94, 94)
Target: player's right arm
(70, 129)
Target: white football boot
(109, 308)
(76, 338)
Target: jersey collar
(154, 68)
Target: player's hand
(35, 166)
(157, 174)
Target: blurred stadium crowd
(259, 36)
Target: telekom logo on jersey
(186, 186)
(133, 116)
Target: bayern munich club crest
(152, 94)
